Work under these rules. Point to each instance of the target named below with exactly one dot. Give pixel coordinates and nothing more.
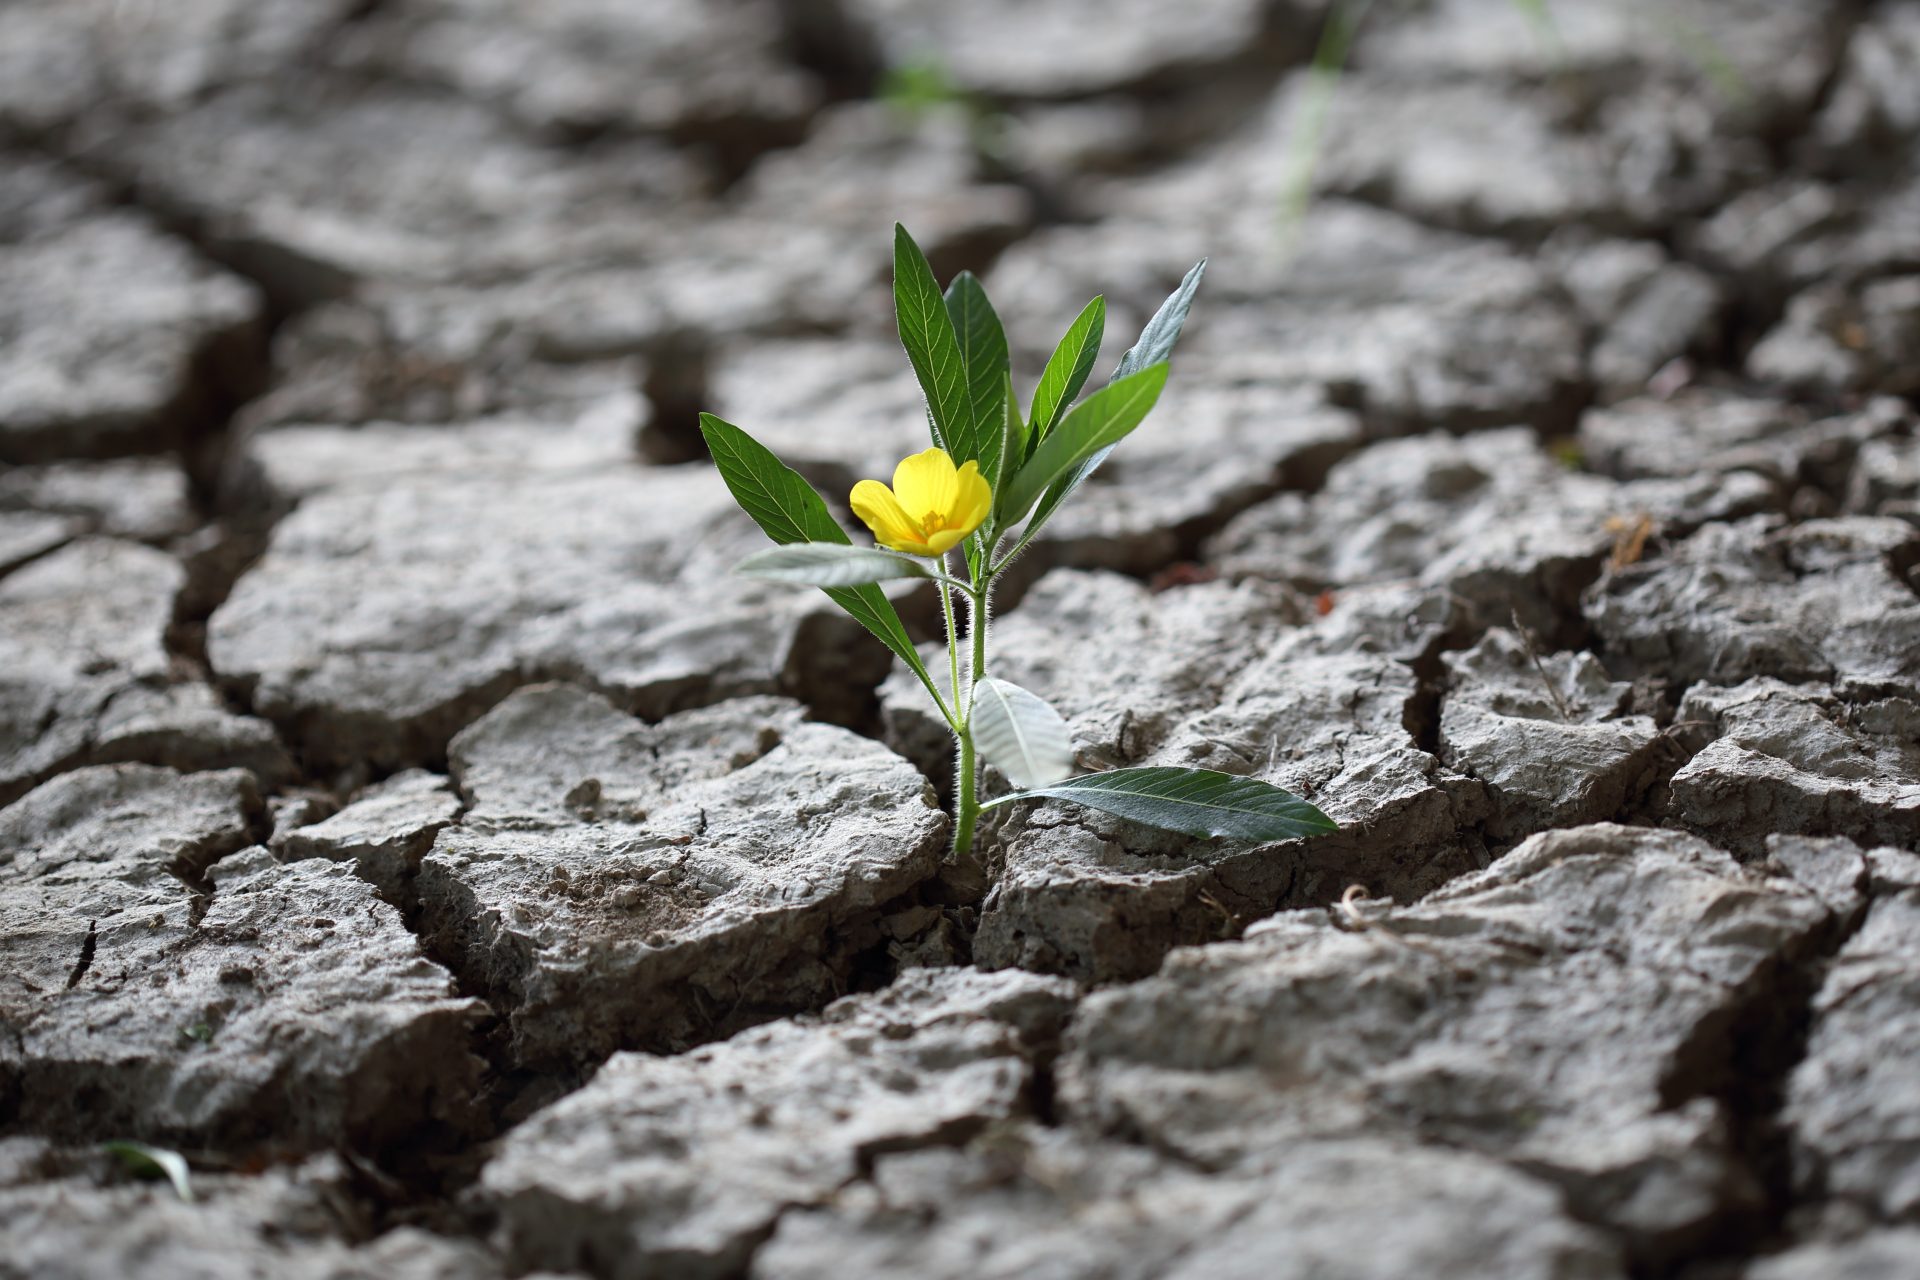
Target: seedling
(995, 475)
(143, 1161)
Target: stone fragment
(1873, 108)
(1702, 430)
(110, 283)
(144, 499)
(127, 828)
(1794, 758)
(540, 278)
(297, 1223)
(387, 356)
(81, 626)
(1570, 1010)
(40, 197)
(90, 679)
(1832, 866)
(715, 73)
(385, 831)
(1645, 309)
(1549, 735)
(379, 621)
(1209, 452)
(1407, 326)
(1850, 1104)
(1010, 50)
(1886, 479)
(26, 535)
(1032, 1201)
(1829, 239)
(1053, 144)
(287, 464)
(165, 991)
(1823, 600)
(1887, 1253)
(61, 60)
(1781, 54)
(1522, 160)
(865, 166)
(801, 247)
(318, 185)
(544, 337)
(684, 1164)
(187, 727)
(617, 884)
(1490, 517)
(699, 277)
(1474, 116)
(1835, 340)
(1775, 234)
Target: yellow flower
(930, 507)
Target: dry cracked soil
(405, 818)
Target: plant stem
(966, 799)
(966, 793)
(953, 648)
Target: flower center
(934, 522)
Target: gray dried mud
(406, 818)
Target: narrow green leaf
(983, 354)
(1068, 367)
(1155, 345)
(926, 331)
(1095, 424)
(1016, 730)
(787, 509)
(1194, 802)
(829, 564)
(143, 1161)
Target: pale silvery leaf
(1023, 736)
(144, 1161)
(829, 564)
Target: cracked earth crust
(405, 818)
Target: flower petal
(938, 544)
(880, 511)
(926, 484)
(973, 501)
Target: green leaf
(1068, 367)
(983, 354)
(926, 331)
(1194, 802)
(787, 509)
(829, 564)
(143, 1161)
(1155, 345)
(1020, 733)
(1095, 424)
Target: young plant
(993, 478)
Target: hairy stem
(953, 647)
(966, 799)
(966, 792)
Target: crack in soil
(1745, 1063)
